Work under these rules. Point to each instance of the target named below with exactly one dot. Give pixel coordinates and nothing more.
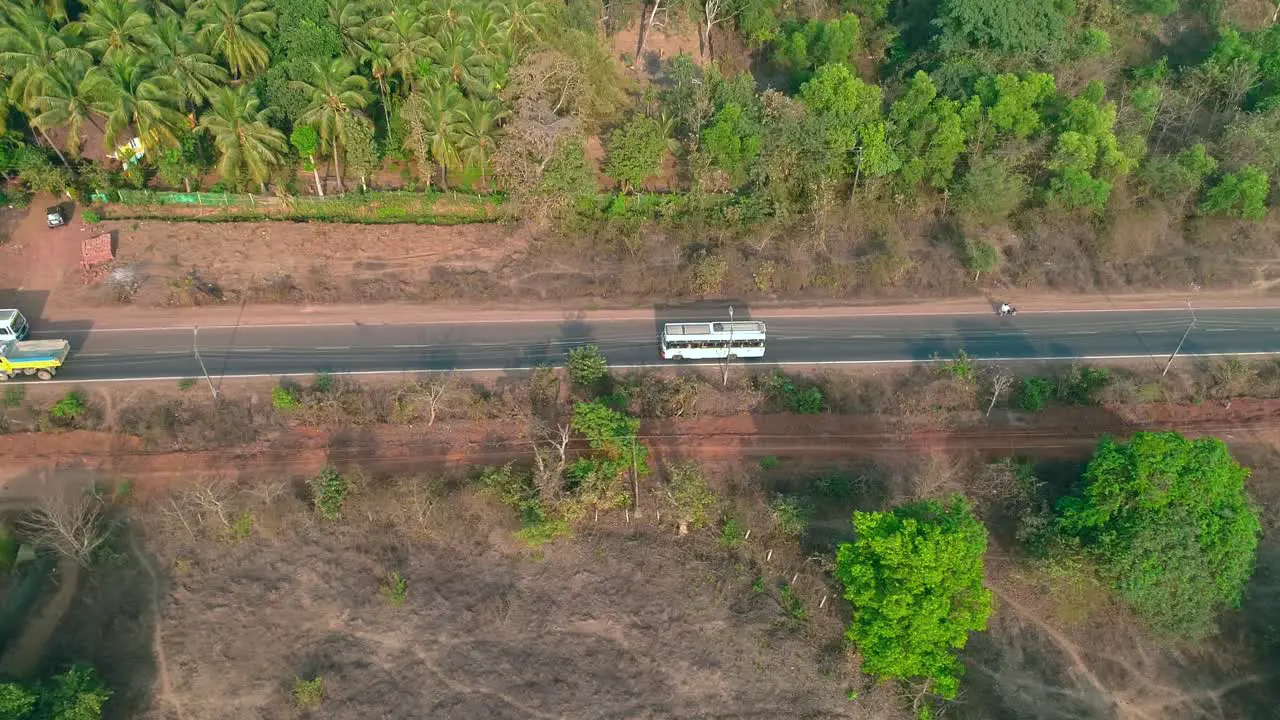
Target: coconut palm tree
(129, 92)
(233, 30)
(30, 46)
(401, 36)
(337, 95)
(445, 14)
(64, 100)
(247, 146)
(522, 19)
(350, 17)
(176, 55)
(486, 30)
(455, 53)
(433, 118)
(111, 27)
(380, 68)
(478, 133)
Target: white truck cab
(13, 326)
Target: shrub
(1034, 393)
(307, 694)
(732, 534)
(284, 397)
(587, 367)
(395, 589)
(14, 395)
(1081, 385)
(91, 217)
(791, 515)
(783, 391)
(793, 605)
(322, 383)
(961, 367)
(329, 492)
(71, 406)
(692, 497)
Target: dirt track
(1065, 432)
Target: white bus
(712, 340)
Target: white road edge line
(764, 315)
(1049, 358)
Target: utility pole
(724, 377)
(195, 349)
(1190, 325)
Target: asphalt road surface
(258, 350)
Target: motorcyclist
(1006, 309)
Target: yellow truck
(41, 358)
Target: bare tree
(645, 28)
(70, 523)
(550, 457)
(434, 390)
(713, 12)
(999, 384)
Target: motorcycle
(1007, 310)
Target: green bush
(91, 217)
(782, 390)
(284, 397)
(587, 367)
(71, 406)
(791, 515)
(14, 395)
(732, 534)
(329, 492)
(395, 589)
(1080, 386)
(1034, 393)
(308, 694)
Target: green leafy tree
(362, 153)
(915, 578)
(337, 96)
(306, 141)
(247, 146)
(843, 102)
(1178, 176)
(732, 140)
(77, 694)
(981, 256)
(16, 702)
(929, 133)
(568, 178)
(177, 165)
(1016, 106)
(233, 30)
(801, 48)
(989, 190)
(612, 435)
(588, 367)
(1168, 521)
(636, 151)
(1240, 194)
(1008, 26)
(1075, 189)
(796, 160)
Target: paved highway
(254, 350)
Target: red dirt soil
(1062, 432)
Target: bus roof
(744, 328)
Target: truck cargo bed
(54, 351)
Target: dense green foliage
(1168, 520)
(77, 694)
(915, 578)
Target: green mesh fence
(152, 197)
